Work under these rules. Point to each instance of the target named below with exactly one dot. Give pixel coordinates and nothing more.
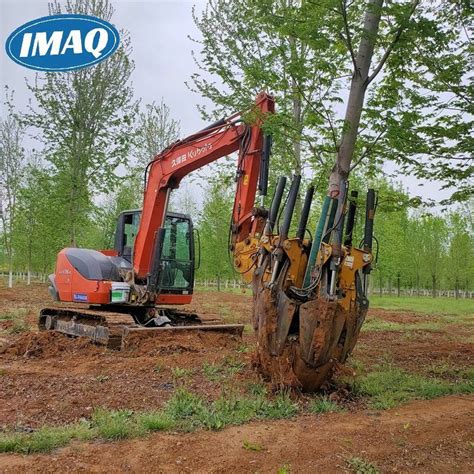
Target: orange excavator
(309, 294)
(138, 286)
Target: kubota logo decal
(62, 42)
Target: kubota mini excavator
(135, 287)
(309, 295)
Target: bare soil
(48, 378)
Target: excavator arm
(167, 169)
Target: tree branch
(395, 40)
(368, 150)
(347, 33)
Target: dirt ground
(47, 378)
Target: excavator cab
(177, 256)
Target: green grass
(45, 439)
(181, 373)
(155, 421)
(361, 466)
(18, 318)
(213, 372)
(20, 313)
(285, 469)
(424, 304)
(229, 367)
(250, 446)
(323, 405)
(184, 411)
(382, 325)
(389, 386)
(113, 425)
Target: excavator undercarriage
(114, 329)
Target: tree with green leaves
(12, 160)
(373, 56)
(156, 129)
(460, 260)
(434, 242)
(214, 231)
(85, 119)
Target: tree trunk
(380, 289)
(28, 280)
(297, 120)
(398, 285)
(10, 271)
(355, 102)
(433, 277)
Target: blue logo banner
(62, 42)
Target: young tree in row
(12, 158)
(85, 118)
(460, 258)
(434, 241)
(214, 233)
(156, 129)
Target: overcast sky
(159, 32)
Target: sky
(162, 52)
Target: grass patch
(155, 421)
(468, 374)
(45, 439)
(424, 304)
(361, 466)
(181, 373)
(15, 314)
(323, 405)
(382, 325)
(216, 372)
(250, 446)
(212, 372)
(243, 348)
(18, 326)
(389, 386)
(114, 425)
(233, 365)
(184, 411)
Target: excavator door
(176, 280)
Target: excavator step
(114, 329)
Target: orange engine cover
(72, 286)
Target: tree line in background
(96, 138)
